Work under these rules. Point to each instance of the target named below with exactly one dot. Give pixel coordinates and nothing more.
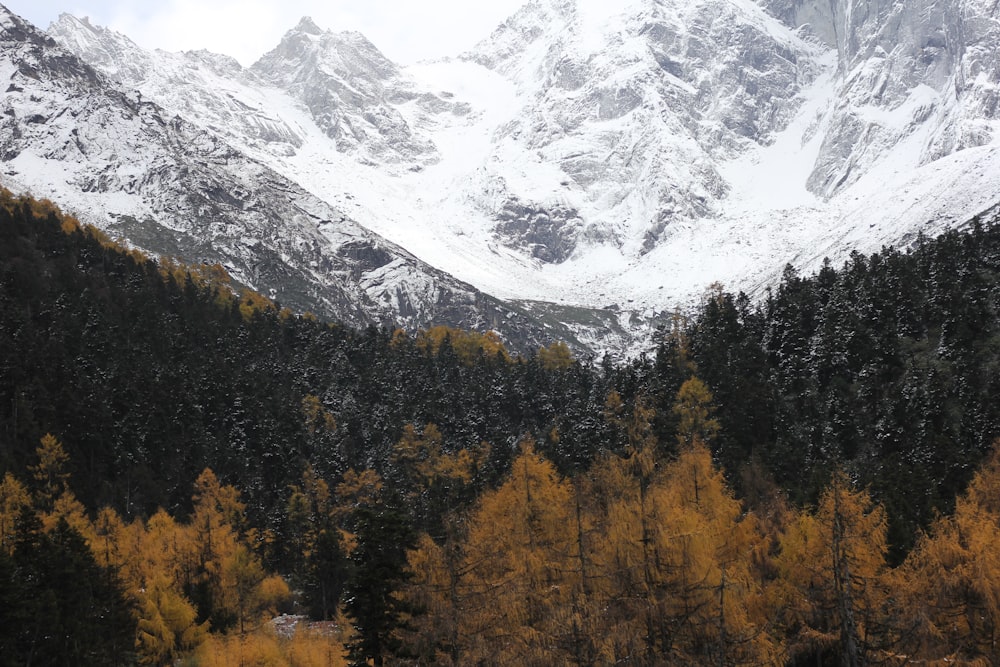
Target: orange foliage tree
(832, 586)
(950, 582)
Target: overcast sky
(404, 30)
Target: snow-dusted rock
(918, 81)
(635, 104)
(349, 88)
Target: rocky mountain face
(345, 86)
(640, 106)
(176, 188)
(920, 71)
(636, 105)
(593, 164)
(348, 87)
(189, 85)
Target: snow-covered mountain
(179, 188)
(594, 163)
(718, 139)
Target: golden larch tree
(518, 566)
(832, 578)
(949, 584)
(14, 499)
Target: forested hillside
(150, 372)
(777, 484)
(889, 365)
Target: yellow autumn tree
(149, 558)
(266, 648)
(582, 624)
(677, 565)
(695, 413)
(678, 561)
(14, 499)
(949, 585)
(212, 539)
(67, 508)
(154, 561)
(225, 577)
(435, 589)
(253, 303)
(167, 626)
(517, 567)
(556, 356)
(256, 650)
(436, 563)
(109, 540)
(317, 418)
(251, 594)
(53, 498)
(624, 559)
(357, 489)
(831, 591)
(51, 477)
(436, 480)
(709, 549)
(161, 546)
(315, 648)
(468, 346)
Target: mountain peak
(4, 12)
(647, 147)
(10, 20)
(69, 18)
(307, 25)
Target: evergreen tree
(314, 542)
(64, 609)
(379, 572)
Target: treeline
(647, 559)
(642, 558)
(79, 588)
(152, 371)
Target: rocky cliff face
(198, 86)
(920, 72)
(349, 88)
(635, 106)
(344, 83)
(652, 97)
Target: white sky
(404, 30)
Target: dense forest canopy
(780, 482)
